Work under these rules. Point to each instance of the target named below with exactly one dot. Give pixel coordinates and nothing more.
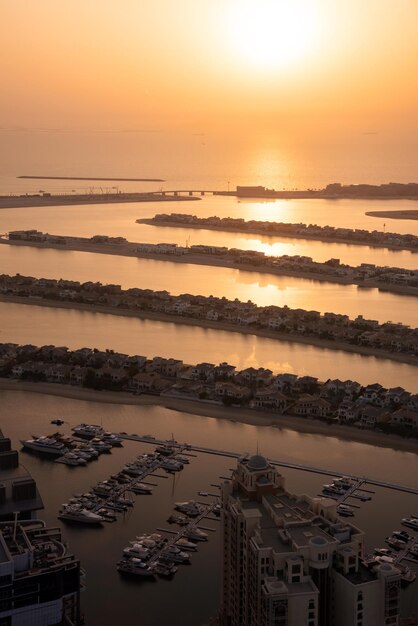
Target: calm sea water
(175, 278)
(202, 159)
(22, 323)
(193, 595)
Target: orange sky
(197, 64)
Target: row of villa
(366, 274)
(347, 402)
(388, 337)
(312, 231)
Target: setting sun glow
(273, 33)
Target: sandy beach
(194, 407)
(129, 249)
(204, 323)
(411, 214)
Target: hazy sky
(291, 67)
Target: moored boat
(135, 567)
(196, 534)
(88, 431)
(187, 545)
(45, 445)
(410, 522)
(80, 515)
(190, 508)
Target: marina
(403, 546)
(358, 480)
(101, 549)
(154, 555)
(69, 450)
(113, 495)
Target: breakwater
(39, 200)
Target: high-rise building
(40, 581)
(289, 560)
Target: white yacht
(178, 519)
(104, 489)
(344, 510)
(107, 515)
(165, 450)
(71, 458)
(402, 535)
(83, 454)
(100, 445)
(112, 439)
(172, 553)
(141, 489)
(135, 567)
(171, 465)
(344, 482)
(195, 534)
(45, 445)
(88, 431)
(132, 469)
(413, 550)
(80, 515)
(395, 543)
(191, 508)
(410, 522)
(137, 550)
(187, 545)
(383, 552)
(183, 460)
(338, 491)
(150, 541)
(164, 568)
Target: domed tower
(257, 477)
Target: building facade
(40, 581)
(290, 561)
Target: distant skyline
(292, 70)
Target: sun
(273, 33)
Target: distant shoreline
(19, 202)
(407, 214)
(214, 325)
(26, 201)
(232, 414)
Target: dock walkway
(278, 463)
